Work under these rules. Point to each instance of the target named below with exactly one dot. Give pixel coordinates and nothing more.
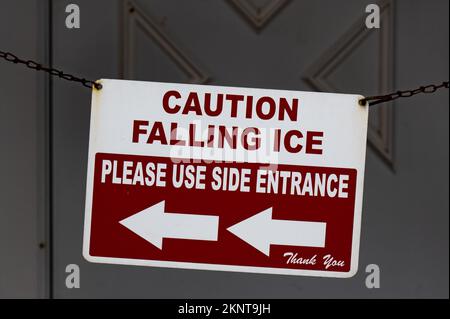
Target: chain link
(373, 100)
(8, 56)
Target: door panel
(299, 45)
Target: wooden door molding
(258, 15)
(134, 17)
(318, 76)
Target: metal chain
(373, 100)
(8, 56)
(407, 93)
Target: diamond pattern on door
(149, 53)
(259, 12)
(330, 73)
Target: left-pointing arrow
(261, 231)
(154, 223)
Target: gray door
(300, 45)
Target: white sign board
(225, 178)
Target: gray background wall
(306, 45)
(24, 123)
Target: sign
(224, 178)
